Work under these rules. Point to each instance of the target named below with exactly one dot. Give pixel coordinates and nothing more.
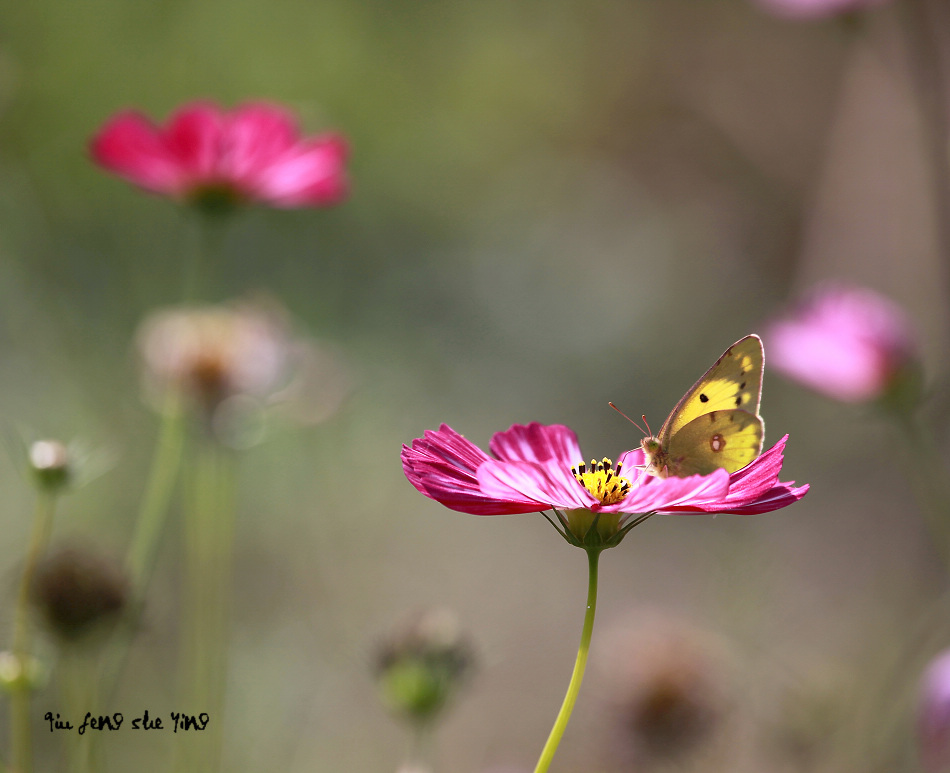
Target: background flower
(933, 715)
(210, 156)
(849, 343)
(810, 9)
(229, 360)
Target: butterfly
(716, 423)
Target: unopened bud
(423, 664)
(50, 464)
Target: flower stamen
(603, 481)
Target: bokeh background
(554, 205)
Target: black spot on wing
(738, 401)
(703, 398)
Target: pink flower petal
(256, 136)
(442, 466)
(129, 145)
(193, 137)
(313, 173)
(666, 494)
(537, 443)
(545, 485)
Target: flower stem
(21, 739)
(564, 715)
(206, 233)
(153, 512)
(209, 540)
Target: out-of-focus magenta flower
(538, 467)
(814, 9)
(849, 343)
(210, 156)
(933, 717)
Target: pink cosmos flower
(208, 155)
(814, 9)
(933, 716)
(850, 343)
(538, 467)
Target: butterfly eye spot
(703, 398)
(717, 442)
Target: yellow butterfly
(717, 423)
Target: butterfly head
(656, 457)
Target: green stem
(21, 742)
(564, 715)
(158, 490)
(79, 688)
(206, 233)
(149, 525)
(209, 540)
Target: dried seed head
(78, 591)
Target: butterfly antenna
(628, 418)
(650, 431)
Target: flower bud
(18, 674)
(422, 665)
(50, 464)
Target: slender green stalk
(21, 739)
(420, 748)
(208, 544)
(564, 715)
(149, 526)
(158, 491)
(78, 677)
(206, 233)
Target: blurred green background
(554, 205)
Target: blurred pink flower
(204, 154)
(933, 715)
(537, 468)
(814, 9)
(849, 343)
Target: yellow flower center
(602, 480)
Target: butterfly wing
(726, 438)
(734, 381)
